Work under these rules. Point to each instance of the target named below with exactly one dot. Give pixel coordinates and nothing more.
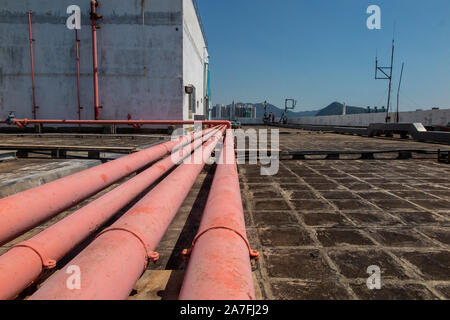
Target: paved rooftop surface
(319, 224)
(97, 140)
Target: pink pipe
(111, 264)
(25, 210)
(77, 51)
(219, 266)
(22, 123)
(22, 265)
(94, 16)
(33, 86)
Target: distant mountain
(278, 112)
(336, 108)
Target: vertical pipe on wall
(94, 17)
(77, 47)
(35, 107)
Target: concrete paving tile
(433, 205)
(267, 194)
(331, 237)
(301, 195)
(442, 235)
(372, 218)
(420, 218)
(338, 195)
(324, 219)
(298, 264)
(286, 236)
(398, 291)
(297, 290)
(395, 205)
(325, 186)
(444, 290)
(274, 218)
(433, 265)
(354, 263)
(311, 205)
(400, 238)
(353, 205)
(414, 195)
(270, 205)
(377, 195)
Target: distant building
(233, 111)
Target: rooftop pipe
(94, 18)
(219, 266)
(27, 209)
(114, 261)
(22, 123)
(33, 86)
(23, 264)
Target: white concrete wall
(140, 59)
(194, 54)
(426, 117)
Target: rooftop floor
(319, 224)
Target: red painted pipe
(22, 123)
(111, 264)
(77, 49)
(22, 265)
(94, 16)
(25, 210)
(219, 266)
(32, 67)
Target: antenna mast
(386, 76)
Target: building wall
(426, 117)
(194, 56)
(140, 57)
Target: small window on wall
(190, 90)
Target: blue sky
(320, 51)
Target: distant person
(270, 117)
(273, 117)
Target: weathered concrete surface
(426, 117)
(7, 155)
(23, 174)
(320, 224)
(142, 59)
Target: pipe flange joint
(254, 254)
(47, 262)
(151, 255)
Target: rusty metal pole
(35, 107)
(114, 261)
(94, 18)
(22, 264)
(219, 267)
